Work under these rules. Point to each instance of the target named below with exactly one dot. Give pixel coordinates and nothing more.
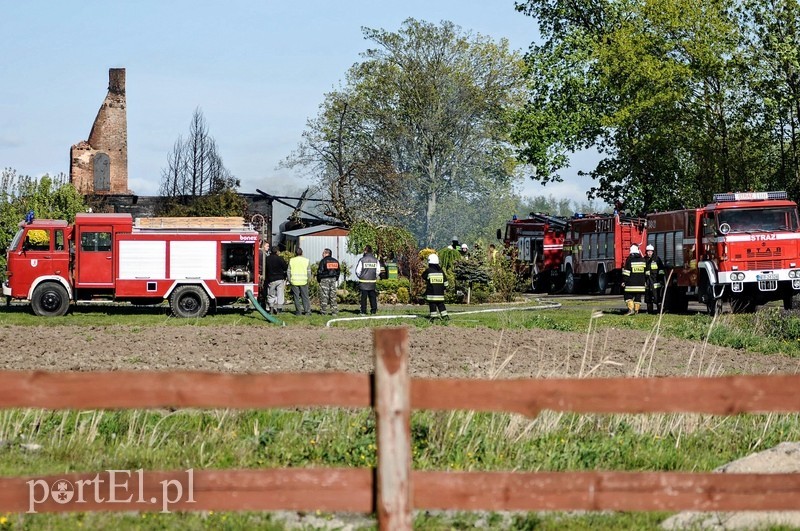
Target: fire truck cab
(195, 267)
(742, 249)
(536, 243)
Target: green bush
(403, 296)
(394, 291)
(775, 323)
(392, 285)
(480, 294)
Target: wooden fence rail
(393, 490)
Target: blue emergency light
(29, 217)
(749, 196)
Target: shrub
(403, 296)
(448, 257)
(504, 279)
(775, 323)
(392, 285)
(479, 294)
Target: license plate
(767, 276)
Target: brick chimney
(100, 165)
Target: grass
(98, 440)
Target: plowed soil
(437, 351)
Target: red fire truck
(194, 263)
(595, 249)
(537, 244)
(744, 249)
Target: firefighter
(655, 279)
(328, 278)
(435, 284)
(633, 280)
(367, 270)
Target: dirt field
(436, 351)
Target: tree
(666, 90)
(195, 173)
(48, 197)
(773, 48)
(422, 117)
(352, 168)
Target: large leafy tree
(48, 198)
(773, 50)
(422, 117)
(666, 90)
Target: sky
(257, 70)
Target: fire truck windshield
(757, 219)
(15, 241)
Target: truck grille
(763, 265)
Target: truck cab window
(96, 241)
(59, 240)
(37, 240)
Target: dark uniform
(634, 278)
(276, 268)
(367, 270)
(655, 282)
(435, 284)
(328, 278)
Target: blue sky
(258, 71)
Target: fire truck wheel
(602, 281)
(50, 300)
(570, 282)
(536, 283)
(791, 301)
(713, 305)
(189, 301)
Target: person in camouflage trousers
(328, 278)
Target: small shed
(314, 239)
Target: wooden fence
(393, 490)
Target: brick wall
(103, 158)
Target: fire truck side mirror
(499, 234)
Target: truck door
(36, 252)
(95, 264)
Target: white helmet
(433, 259)
(649, 247)
(634, 249)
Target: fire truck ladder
(553, 221)
(626, 235)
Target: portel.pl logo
(112, 487)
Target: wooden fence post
(393, 419)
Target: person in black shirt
(275, 281)
(328, 278)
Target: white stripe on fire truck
(759, 237)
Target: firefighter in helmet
(435, 286)
(655, 280)
(634, 278)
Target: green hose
(269, 317)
